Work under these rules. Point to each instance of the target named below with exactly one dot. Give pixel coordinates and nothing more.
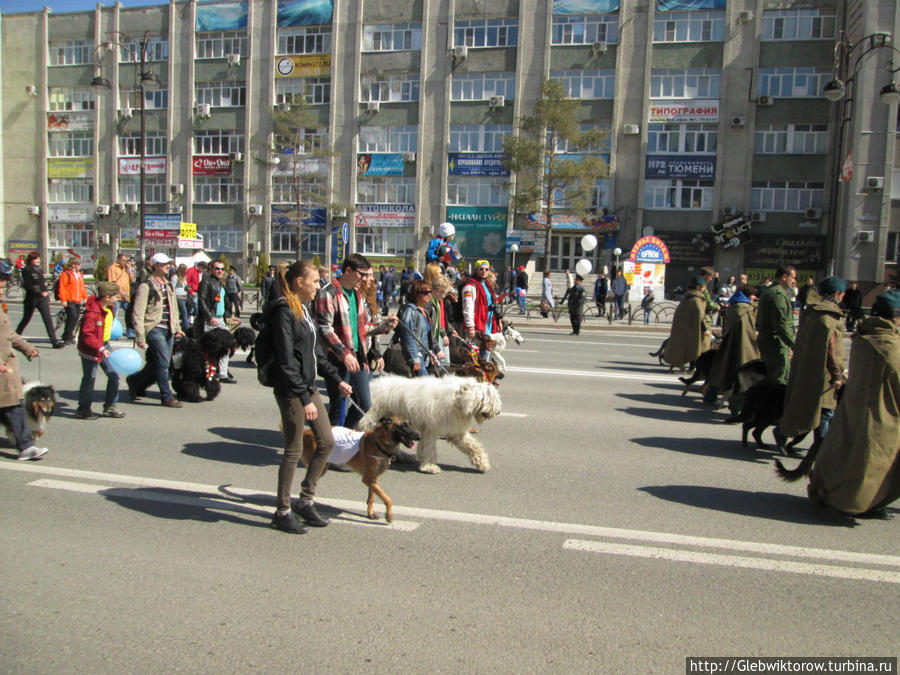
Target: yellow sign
(305, 65)
(70, 167)
(188, 231)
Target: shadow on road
(669, 414)
(184, 505)
(769, 505)
(271, 438)
(250, 454)
(708, 447)
(687, 402)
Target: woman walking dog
(293, 376)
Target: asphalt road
(622, 528)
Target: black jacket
(33, 281)
(298, 353)
(574, 298)
(207, 293)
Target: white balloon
(583, 267)
(588, 242)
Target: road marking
(504, 414)
(602, 344)
(702, 558)
(584, 373)
(214, 492)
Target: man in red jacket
(93, 348)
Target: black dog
(244, 338)
(659, 352)
(747, 375)
(195, 364)
(702, 366)
(763, 407)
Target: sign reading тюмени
(702, 167)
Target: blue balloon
(116, 331)
(125, 361)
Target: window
(892, 252)
(587, 84)
(154, 189)
(797, 24)
(682, 138)
(72, 144)
(130, 146)
(222, 94)
(394, 241)
(392, 37)
(217, 45)
(478, 137)
(481, 86)
(222, 237)
(70, 235)
(477, 191)
(284, 240)
(218, 142)
(71, 98)
(385, 190)
(388, 139)
(283, 188)
(585, 29)
(71, 190)
(70, 53)
(798, 82)
(391, 89)
(314, 90)
(796, 139)
(157, 49)
(308, 40)
(563, 147)
(307, 141)
(688, 83)
(689, 27)
(153, 100)
(486, 33)
(678, 194)
(786, 196)
(218, 190)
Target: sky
(60, 6)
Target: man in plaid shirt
(342, 320)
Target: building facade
(719, 139)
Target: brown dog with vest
(377, 449)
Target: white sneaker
(32, 453)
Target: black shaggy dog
(195, 364)
(762, 408)
(702, 366)
(244, 338)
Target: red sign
(212, 165)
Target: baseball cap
(160, 259)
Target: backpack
(56, 287)
(264, 352)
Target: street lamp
(514, 248)
(147, 80)
(617, 252)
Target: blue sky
(59, 6)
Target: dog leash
(365, 414)
(430, 353)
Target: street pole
(143, 173)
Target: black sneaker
(87, 415)
(288, 523)
(309, 514)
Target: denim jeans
(159, 353)
(825, 417)
(620, 306)
(361, 396)
(86, 392)
(183, 315)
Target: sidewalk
(661, 323)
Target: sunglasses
(218, 269)
(428, 292)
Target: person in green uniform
(775, 324)
(689, 337)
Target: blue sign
(345, 232)
(304, 12)
(585, 6)
(688, 5)
(285, 217)
(476, 164)
(221, 16)
(379, 164)
(701, 167)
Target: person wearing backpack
(37, 297)
(94, 350)
(72, 295)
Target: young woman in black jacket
(298, 357)
(37, 297)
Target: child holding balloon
(98, 327)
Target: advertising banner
(162, 229)
(304, 12)
(285, 216)
(69, 213)
(563, 221)
(480, 230)
(701, 110)
(693, 249)
(70, 167)
(585, 6)
(529, 241)
(153, 166)
(476, 164)
(771, 250)
(688, 5)
(304, 65)
(22, 245)
(702, 167)
(643, 276)
(386, 215)
(221, 16)
(649, 250)
(70, 121)
(379, 164)
(732, 232)
(212, 165)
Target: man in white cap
(156, 325)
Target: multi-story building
(714, 109)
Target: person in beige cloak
(689, 337)
(817, 370)
(738, 342)
(857, 469)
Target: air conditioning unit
(373, 106)
(874, 183)
(177, 188)
(126, 113)
(729, 211)
(255, 209)
(284, 106)
(497, 102)
(339, 213)
(178, 208)
(120, 207)
(461, 52)
(813, 214)
(409, 157)
(131, 206)
(745, 16)
(865, 236)
(33, 210)
(234, 59)
(631, 129)
(765, 100)
(738, 121)
(236, 156)
(102, 209)
(203, 109)
(599, 47)
(757, 216)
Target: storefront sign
(162, 229)
(649, 250)
(704, 110)
(190, 242)
(643, 276)
(70, 121)
(70, 167)
(732, 233)
(480, 231)
(187, 230)
(21, 245)
(379, 164)
(386, 215)
(477, 216)
(691, 249)
(563, 221)
(306, 65)
(770, 251)
(700, 167)
(68, 213)
(476, 164)
(528, 241)
(153, 166)
(285, 216)
(212, 165)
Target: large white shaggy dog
(438, 407)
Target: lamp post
(146, 80)
(514, 248)
(848, 58)
(617, 252)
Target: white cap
(446, 230)
(160, 259)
